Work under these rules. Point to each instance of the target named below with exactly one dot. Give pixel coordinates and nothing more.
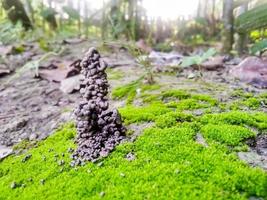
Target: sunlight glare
(170, 9)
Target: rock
(214, 63)
(32, 137)
(201, 140)
(71, 84)
(5, 151)
(26, 158)
(102, 194)
(42, 181)
(13, 185)
(191, 76)
(252, 70)
(61, 162)
(253, 159)
(261, 144)
(130, 156)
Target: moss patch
(114, 74)
(257, 120)
(129, 91)
(169, 164)
(132, 114)
(231, 135)
(172, 119)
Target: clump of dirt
(99, 129)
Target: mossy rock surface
(168, 162)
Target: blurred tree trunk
(160, 31)
(103, 21)
(242, 40)
(199, 9)
(29, 8)
(16, 12)
(79, 19)
(51, 18)
(228, 23)
(42, 9)
(115, 17)
(131, 14)
(213, 20)
(70, 4)
(86, 19)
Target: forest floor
(188, 137)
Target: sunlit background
(170, 9)
(165, 9)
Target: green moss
(205, 98)
(177, 94)
(257, 120)
(252, 103)
(125, 90)
(231, 135)
(169, 164)
(241, 94)
(235, 105)
(187, 104)
(129, 91)
(132, 114)
(114, 74)
(24, 144)
(187, 101)
(172, 118)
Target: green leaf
(211, 52)
(72, 13)
(189, 61)
(197, 60)
(46, 13)
(258, 47)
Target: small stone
(191, 76)
(102, 194)
(27, 157)
(61, 162)
(32, 137)
(70, 150)
(13, 185)
(130, 156)
(42, 181)
(100, 164)
(72, 163)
